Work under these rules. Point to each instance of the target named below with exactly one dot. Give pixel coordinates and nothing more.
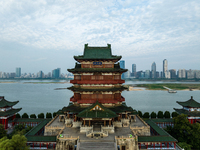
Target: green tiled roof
(79, 69)
(41, 138)
(156, 139)
(5, 103)
(189, 113)
(104, 113)
(163, 120)
(9, 112)
(38, 127)
(96, 53)
(72, 108)
(31, 137)
(73, 88)
(190, 103)
(163, 135)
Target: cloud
(134, 28)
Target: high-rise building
(122, 65)
(190, 74)
(40, 74)
(18, 72)
(165, 67)
(147, 74)
(153, 70)
(172, 73)
(133, 70)
(181, 73)
(56, 73)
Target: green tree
(146, 115)
(160, 114)
(140, 113)
(18, 115)
(194, 139)
(153, 115)
(41, 115)
(33, 116)
(18, 142)
(174, 114)
(167, 114)
(185, 145)
(25, 115)
(2, 131)
(48, 115)
(54, 114)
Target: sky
(45, 34)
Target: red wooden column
(6, 123)
(154, 145)
(140, 145)
(53, 145)
(167, 144)
(174, 145)
(160, 145)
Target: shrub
(146, 115)
(174, 114)
(140, 113)
(25, 115)
(167, 114)
(54, 114)
(153, 115)
(160, 114)
(41, 115)
(48, 115)
(32, 116)
(18, 115)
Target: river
(42, 97)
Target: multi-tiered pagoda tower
(97, 88)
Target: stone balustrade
(85, 128)
(110, 129)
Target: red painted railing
(97, 81)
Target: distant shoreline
(159, 86)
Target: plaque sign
(97, 63)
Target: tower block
(97, 76)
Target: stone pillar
(68, 116)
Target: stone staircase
(97, 146)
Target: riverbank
(159, 86)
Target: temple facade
(7, 112)
(97, 116)
(191, 108)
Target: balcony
(97, 81)
(100, 101)
(72, 99)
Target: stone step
(97, 146)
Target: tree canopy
(2, 131)
(17, 142)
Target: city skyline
(35, 35)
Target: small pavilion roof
(97, 53)
(189, 113)
(79, 69)
(5, 103)
(91, 89)
(9, 112)
(90, 112)
(190, 103)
